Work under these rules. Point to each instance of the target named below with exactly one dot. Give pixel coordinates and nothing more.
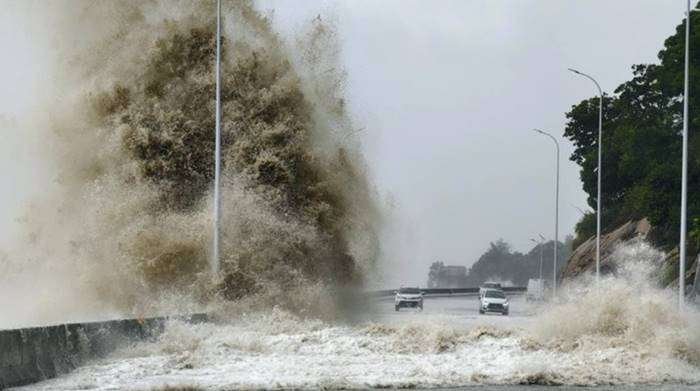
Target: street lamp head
(574, 71)
(538, 131)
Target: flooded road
(459, 309)
(448, 345)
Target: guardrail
(445, 291)
(33, 354)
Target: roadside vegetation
(642, 124)
(501, 263)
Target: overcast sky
(448, 92)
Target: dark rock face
(696, 280)
(583, 258)
(669, 272)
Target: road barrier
(446, 291)
(33, 354)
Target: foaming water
(627, 331)
(627, 312)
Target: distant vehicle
(535, 290)
(408, 297)
(493, 300)
(489, 285)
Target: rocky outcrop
(696, 280)
(669, 271)
(583, 258)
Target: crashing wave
(131, 136)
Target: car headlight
(506, 304)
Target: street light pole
(541, 245)
(556, 214)
(600, 170)
(542, 257)
(684, 175)
(217, 147)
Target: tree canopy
(642, 127)
(501, 263)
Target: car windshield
(410, 291)
(495, 294)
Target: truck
(535, 290)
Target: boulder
(583, 259)
(670, 270)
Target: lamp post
(684, 175)
(556, 213)
(600, 170)
(540, 243)
(217, 147)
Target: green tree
(641, 144)
(499, 262)
(434, 274)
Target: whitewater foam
(237, 356)
(626, 331)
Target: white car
(488, 285)
(408, 297)
(493, 300)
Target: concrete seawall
(33, 354)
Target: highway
(461, 310)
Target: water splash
(131, 137)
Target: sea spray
(626, 315)
(130, 133)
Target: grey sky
(21, 77)
(448, 92)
